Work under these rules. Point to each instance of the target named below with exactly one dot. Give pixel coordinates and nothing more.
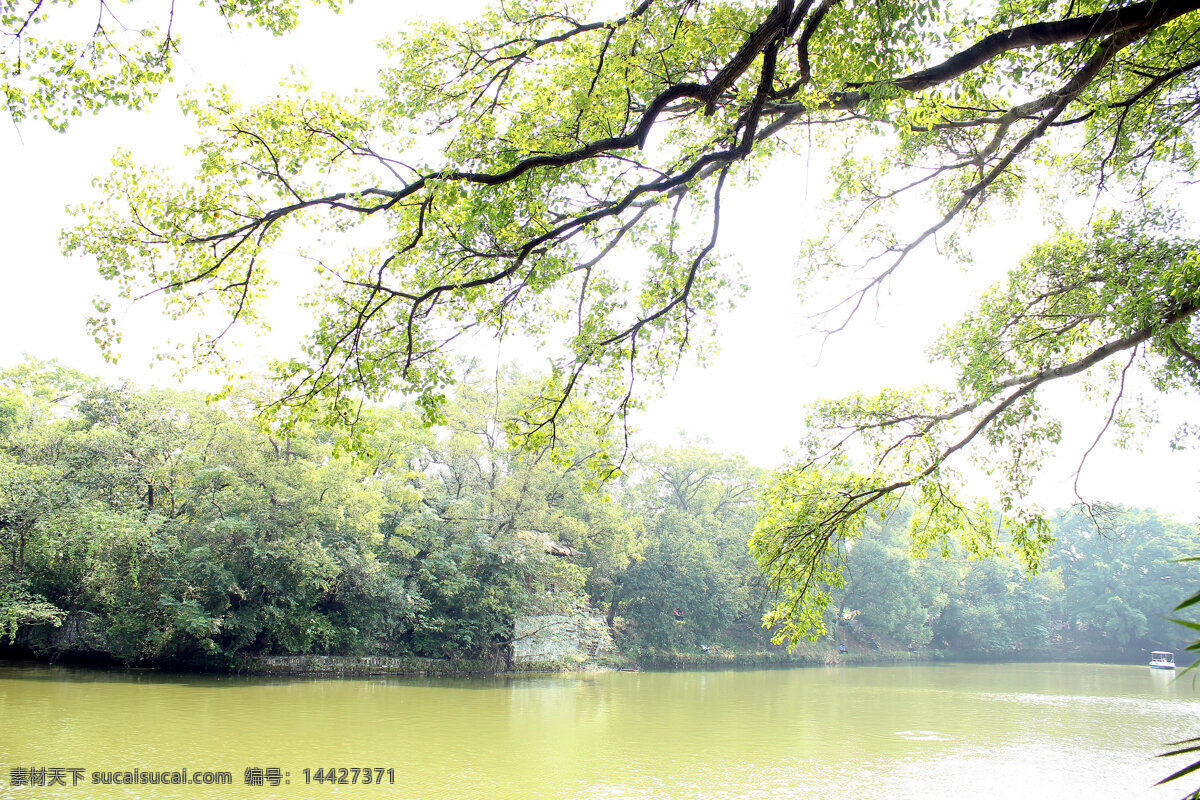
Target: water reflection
(1021, 731)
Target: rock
(560, 639)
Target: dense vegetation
(1105, 588)
(187, 534)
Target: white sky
(750, 399)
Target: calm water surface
(999, 731)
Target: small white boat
(1161, 659)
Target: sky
(749, 399)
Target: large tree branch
(467, 274)
(1023, 386)
(1138, 17)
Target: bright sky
(750, 399)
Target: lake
(934, 731)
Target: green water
(998, 731)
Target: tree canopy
(543, 172)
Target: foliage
(61, 60)
(693, 578)
(196, 537)
(894, 594)
(1101, 591)
(19, 609)
(1125, 574)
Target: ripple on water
(923, 736)
(1172, 706)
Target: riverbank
(78, 643)
(351, 666)
(365, 666)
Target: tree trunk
(19, 566)
(613, 603)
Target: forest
(187, 533)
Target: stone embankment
(346, 666)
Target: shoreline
(324, 666)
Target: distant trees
(190, 534)
(1126, 577)
(1109, 589)
(691, 580)
(185, 532)
(993, 608)
(893, 594)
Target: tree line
(186, 533)
(1106, 587)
